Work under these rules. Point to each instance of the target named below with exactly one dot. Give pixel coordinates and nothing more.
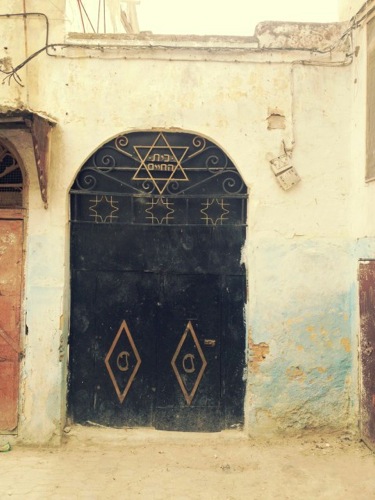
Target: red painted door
(11, 236)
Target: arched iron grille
(157, 177)
(11, 180)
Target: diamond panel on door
(123, 361)
(113, 376)
(188, 365)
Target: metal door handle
(209, 342)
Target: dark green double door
(157, 331)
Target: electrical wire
(13, 73)
(80, 4)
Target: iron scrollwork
(11, 180)
(145, 174)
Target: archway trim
(159, 177)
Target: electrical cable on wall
(13, 73)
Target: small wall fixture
(286, 175)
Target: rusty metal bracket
(40, 127)
(40, 133)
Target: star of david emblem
(161, 163)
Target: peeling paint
(276, 119)
(296, 373)
(298, 35)
(301, 305)
(345, 342)
(6, 64)
(258, 353)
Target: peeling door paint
(367, 350)
(10, 295)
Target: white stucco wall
(301, 250)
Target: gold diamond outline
(166, 179)
(189, 397)
(123, 327)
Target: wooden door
(148, 325)
(146, 350)
(113, 345)
(158, 223)
(366, 277)
(189, 354)
(11, 236)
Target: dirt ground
(98, 463)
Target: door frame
(366, 295)
(159, 182)
(18, 213)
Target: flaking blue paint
(303, 311)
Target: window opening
(11, 180)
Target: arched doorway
(158, 289)
(11, 285)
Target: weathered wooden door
(159, 336)
(189, 353)
(158, 288)
(367, 350)
(113, 351)
(11, 237)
